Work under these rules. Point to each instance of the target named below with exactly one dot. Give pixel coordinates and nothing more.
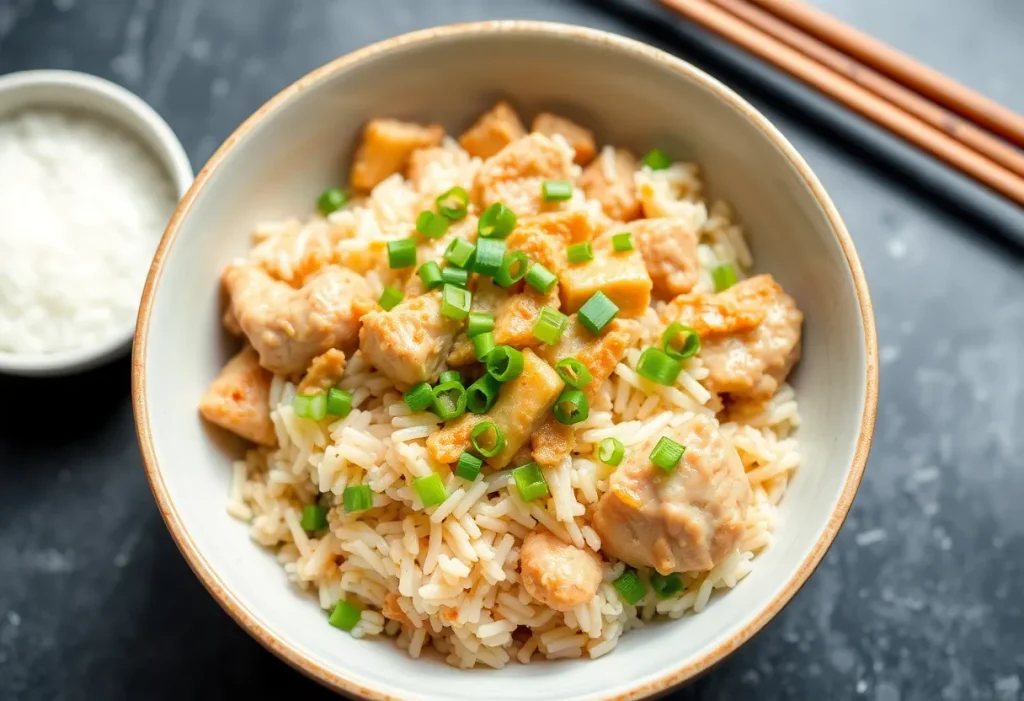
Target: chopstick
(896, 109)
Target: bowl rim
(171, 156)
(249, 619)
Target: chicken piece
(558, 574)
(289, 327)
(231, 323)
(669, 248)
(523, 404)
(514, 317)
(609, 180)
(515, 174)
(689, 519)
(410, 342)
(239, 399)
(487, 297)
(581, 139)
(393, 612)
(568, 226)
(385, 149)
(621, 276)
(434, 170)
(493, 131)
(324, 372)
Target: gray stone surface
(919, 599)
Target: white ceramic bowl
(112, 102)
(277, 162)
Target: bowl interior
(631, 96)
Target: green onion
(657, 366)
(431, 225)
(390, 298)
(430, 490)
(573, 373)
(481, 395)
(345, 615)
(530, 481)
(402, 253)
(610, 451)
(430, 274)
(479, 322)
(513, 269)
(540, 278)
(459, 252)
(449, 400)
(450, 275)
(455, 302)
(656, 159)
(357, 497)
(580, 252)
(487, 439)
(331, 200)
(571, 407)
(314, 517)
(310, 406)
(454, 203)
(630, 588)
(420, 397)
(468, 466)
(339, 402)
(496, 222)
(549, 325)
(666, 585)
(667, 454)
(622, 242)
(724, 276)
(450, 376)
(483, 344)
(504, 363)
(597, 312)
(490, 254)
(556, 190)
(687, 348)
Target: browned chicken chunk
(493, 131)
(622, 276)
(558, 574)
(580, 138)
(609, 180)
(669, 248)
(324, 372)
(515, 174)
(239, 399)
(385, 149)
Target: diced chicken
(239, 399)
(558, 574)
(622, 276)
(514, 317)
(750, 335)
(385, 149)
(409, 343)
(493, 131)
(568, 226)
(433, 170)
(289, 327)
(523, 404)
(609, 180)
(324, 372)
(515, 174)
(487, 297)
(669, 248)
(689, 519)
(580, 138)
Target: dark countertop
(921, 595)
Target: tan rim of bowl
(249, 619)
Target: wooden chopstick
(857, 98)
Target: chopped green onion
(657, 366)
(459, 252)
(487, 439)
(483, 344)
(310, 406)
(479, 322)
(481, 395)
(468, 466)
(504, 363)
(430, 490)
(455, 302)
(540, 278)
(580, 252)
(454, 203)
(630, 588)
(513, 269)
(449, 400)
(345, 615)
(610, 451)
(573, 373)
(530, 481)
(430, 274)
(431, 225)
(314, 517)
(666, 585)
(419, 397)
(571, 407)
(450, 376)
(490, 254)
(622, 242)
(402, 253)
(331, 200)
(667, 453)
(556, 190)
(496, 222)
(357, 497)
(390, 298)
(724, 276)
(549, 325)
(339, 402)
(450, 275)
(597, 312)
(656, 159)
(687, 348)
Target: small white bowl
(112, 102)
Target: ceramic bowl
(630, 94)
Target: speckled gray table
(921, 596)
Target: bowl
(631, 94)
(87, 93)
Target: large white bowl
(277, 162)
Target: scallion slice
(450, 376)
(345, 615)
(496, 222)
(331, 200)
(571, 407)
(310, 406)
(314, 517)
(357, 497)
(455, 302)
(481, 395)
(666, 585)
(479, 322)
(449, 400)
(487, 438)
(610, 451)
(402, 253)
(490, 253)
(430, 274)
(724, 276)
(460, 252)
(530, 482)
(549, 325)
(450, 275)
(630, 588)
(454, 203)
(656, 159)
(657, 366)
(390, 298)
(667, 453)
(513, 269)
(468, 466)
(339, 402)
(420, 397)
(680, 341)
(573, 373)
(430, 490)
(556, 190)
(580, 252)
(540, 278)
(431, 225)
(597, 312)
(504, 363)
(622, 242)
(483, 344)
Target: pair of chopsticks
(968, 131)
